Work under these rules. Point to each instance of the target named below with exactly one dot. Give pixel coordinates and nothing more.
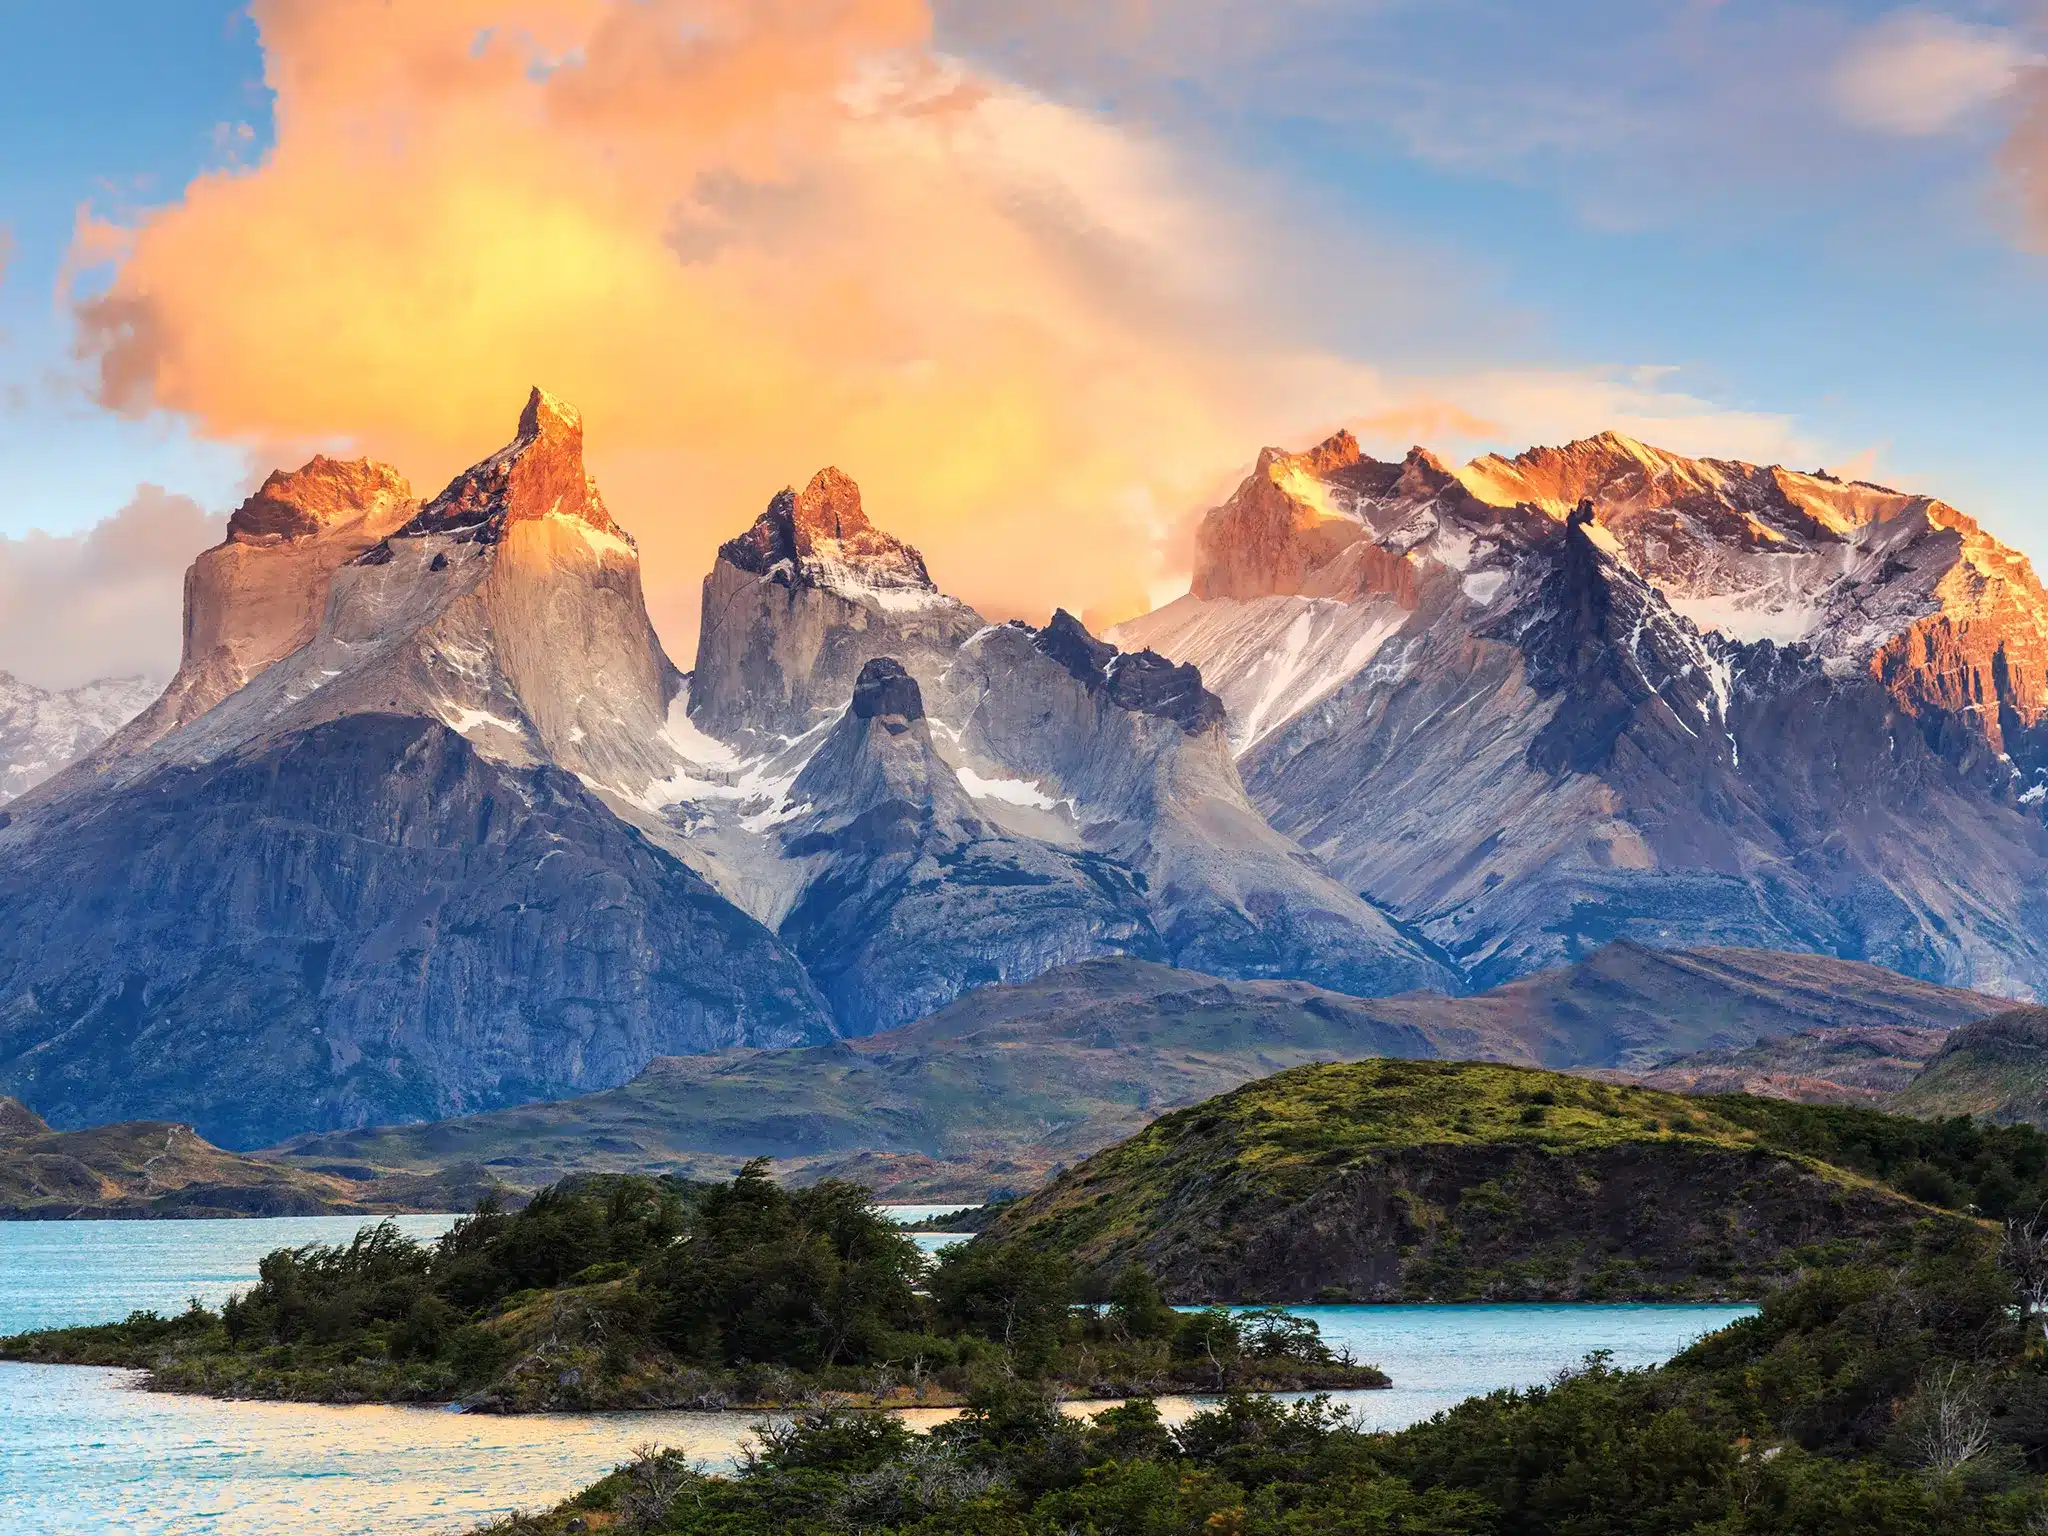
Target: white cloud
(1917, 73)
(108, 602)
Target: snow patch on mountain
(1268, 658)
(1749, 616)
(1022, 792)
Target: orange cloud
(748, 238)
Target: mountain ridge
(1007, 1082)
(1626, 693)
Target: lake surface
(82, 1453)
(56, 1273)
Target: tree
(1007, 1292)
(1136, 1309)
(813, 1278)
(1947, 1425)
(2023, 1254)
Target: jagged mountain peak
(821, 537)
(1141, 681)
(1703, 695)
(508, 609)
(797, 605)
(878, 752)
(1610, 468)
(547, 416)
(1338, 451)
(829, 508)
(1761, 506)
(538, 474)
(320, 496)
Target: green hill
(1404, 1180)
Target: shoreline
(1363, 1378)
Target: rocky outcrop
(1129, 749)
(262, 592)
(1612, 692)
(909, 896)
(509, 609)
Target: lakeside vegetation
(1895, 1381)
(627, 1292)
(1906, 1399)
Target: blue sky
(107, 105)
(1803, 215)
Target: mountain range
(43, 729)
(1603, 691)
(428, 823)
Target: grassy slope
(153, 1168)
(1997, 1069)
(1009, 1082)
(1456, 1181)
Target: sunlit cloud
(750, 239)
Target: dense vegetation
(619, 1291)
(1958, 1163)
(1461, 1181)
(1867, 1400)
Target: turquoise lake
(82, 1453)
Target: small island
(626, 1292)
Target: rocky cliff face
(1131, 749)
(910, 896)
(799, 603)
(363, 921)
(380, 878)
(42, 729)
(1094, 786)
(508, 608)
(1603, 691)
(261, 593)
